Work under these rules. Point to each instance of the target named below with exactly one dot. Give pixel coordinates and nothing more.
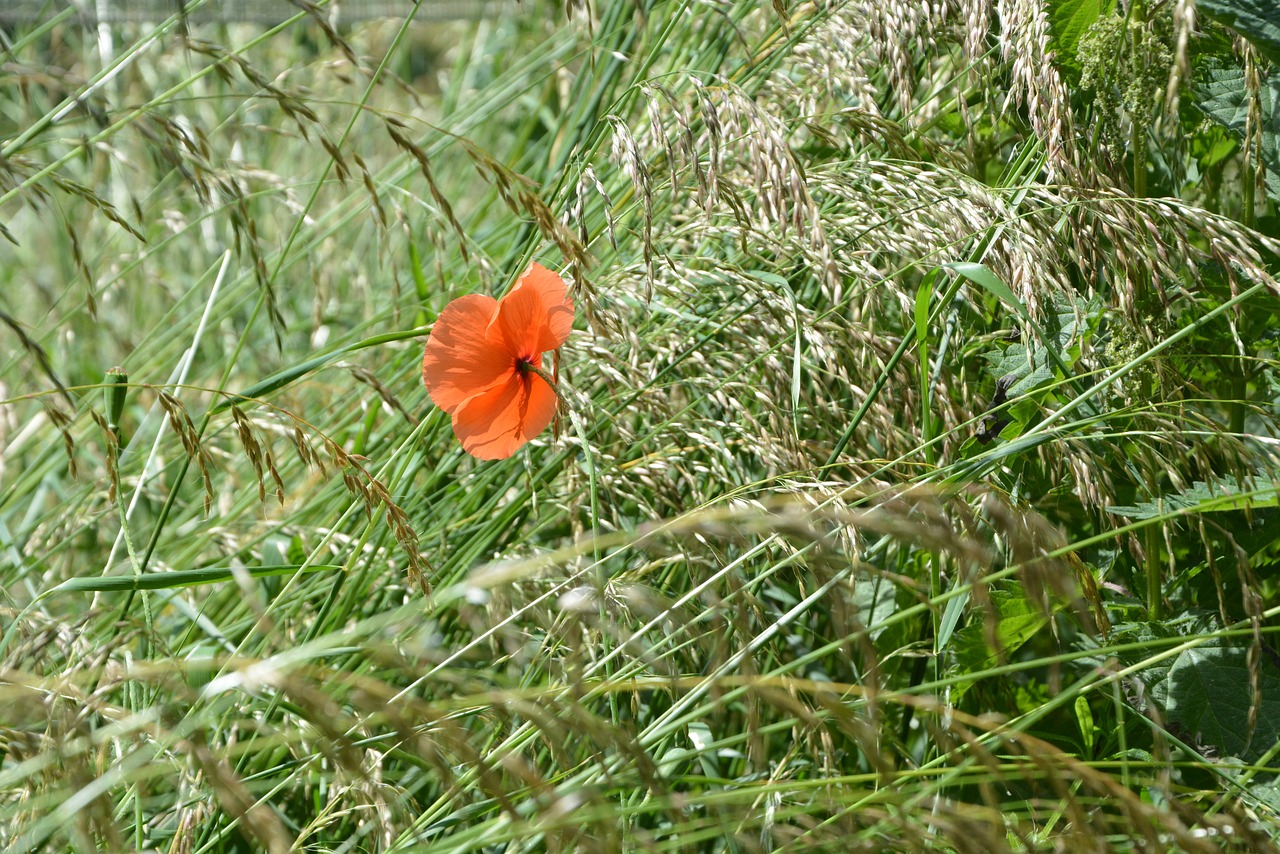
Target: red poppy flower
(483, 363)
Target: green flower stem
(526, 367)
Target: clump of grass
(763, 588)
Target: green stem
(1138, 130)
(1138, 143)
(527, 367)
(1151, 545)
(1238, 395)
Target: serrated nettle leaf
(1070, 326)
(1257, 20)
(1022, 368)
(1015, 360)
(1201, 497)
(1207, 698)
(1137, 641)
(1222, 96)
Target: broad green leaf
(875, 599)
(1084, 718)
(1068, 21)
(1256, 20)
(1221, 95)
(1017, 621)
(1208, 698)
(1138, 640)
(1224, 494)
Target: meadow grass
(913, 489)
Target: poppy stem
(546, 377)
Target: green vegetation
(915, 486)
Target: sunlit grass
(766, 584)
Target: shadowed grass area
(914, 485)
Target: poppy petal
(489, 424)
(535, 316)
(551, 288)
(459, 362)
(541, 407)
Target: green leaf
(282, 378)
(180, 578)
(1208, 697)
(924, 297)
(1017, 621)
(1222, 97)
(982, 276)
(1071, 324)
(1256, 20)
(1224, 494)
(1138, 640)
(1084, 718)
(950, 619)
(875, 601)
(1068, 21)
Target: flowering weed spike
(483, 363)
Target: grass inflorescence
(913, 485)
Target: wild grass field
(913, 484)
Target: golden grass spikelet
(626, 152)
(181, 424)
(45, 366)
(61, 422)
(1037, 85)
(321, 18)
(374, 495)
(112, 456)
(371, 190)
(258, 454)
(259, 821)
(77, 258)
(75, 188)
(396, 129)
